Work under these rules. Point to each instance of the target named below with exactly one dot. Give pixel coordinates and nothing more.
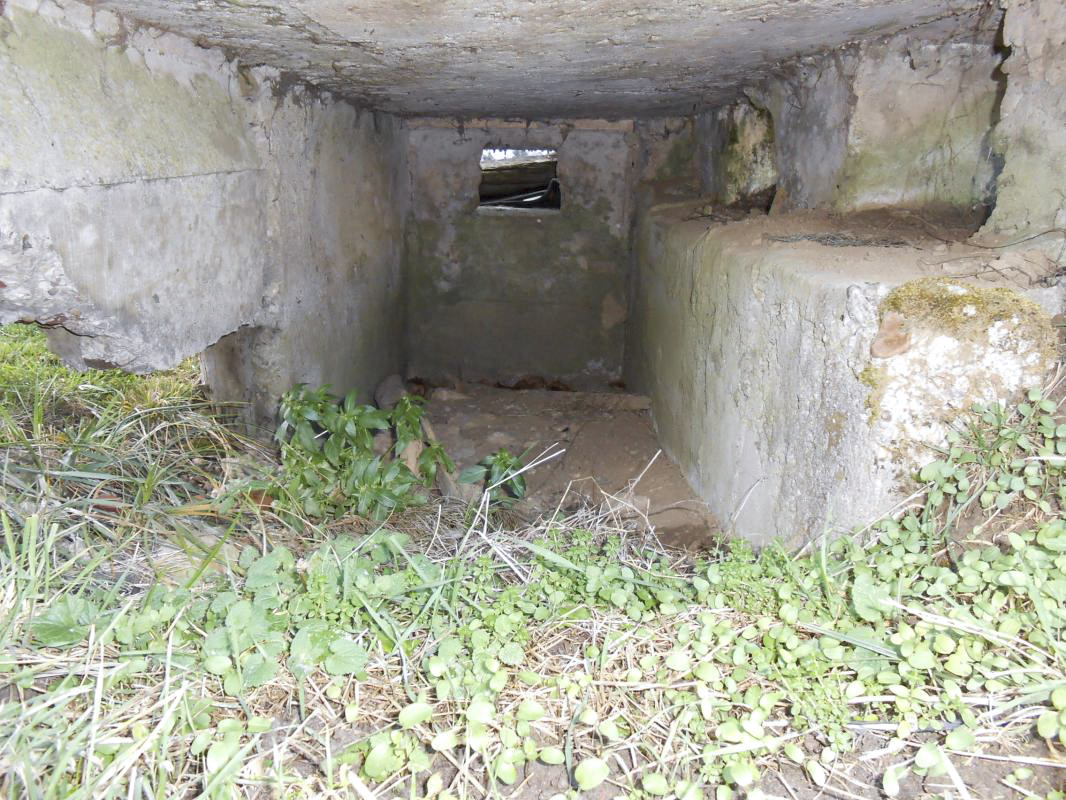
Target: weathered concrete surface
(154, 197)
(667, 153)
(902, 121)
(757, 356)
(334, 313)
(101, 156)
(757, 352)
(157, 198)
(1031, 129)
(919, 128)
(736, 153)
(540, 60)
(958, 343)
(501, 294)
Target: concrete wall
(667, 154)
(155, 197)
(334, 311)
(504, 293)
(1031, 129)
(116, 149)
(903, 121)
(743, 384)
(757, 355)
(756, 344)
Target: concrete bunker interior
(747, 235)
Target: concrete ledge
(753, 339)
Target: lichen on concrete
(738, 153)
(969, 344)
(919, 128)
(758, 362)
(968, 312)
(107, 118)
(874, 379)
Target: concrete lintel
(487, 123)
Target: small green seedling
(498, 473)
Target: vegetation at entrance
(501, 474)
(330, 466)
(172, 623)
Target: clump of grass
(33, 381)
(98, 470)
(441, 654)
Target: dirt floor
(609, 448)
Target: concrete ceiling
(533, 58)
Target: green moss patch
(875, 379)
(967, 312)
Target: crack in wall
(133, 180)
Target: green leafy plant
(406, 418)
(999, 456)
(328, 460)
(499, 474)
(576, 644)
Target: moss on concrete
(106, 116)
(931, 161)
(967, 312)
(680, 159)
(875, 379)
(748, 157)
(513, 292)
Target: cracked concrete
(178, 177)
(539, 60)
(154, 198)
